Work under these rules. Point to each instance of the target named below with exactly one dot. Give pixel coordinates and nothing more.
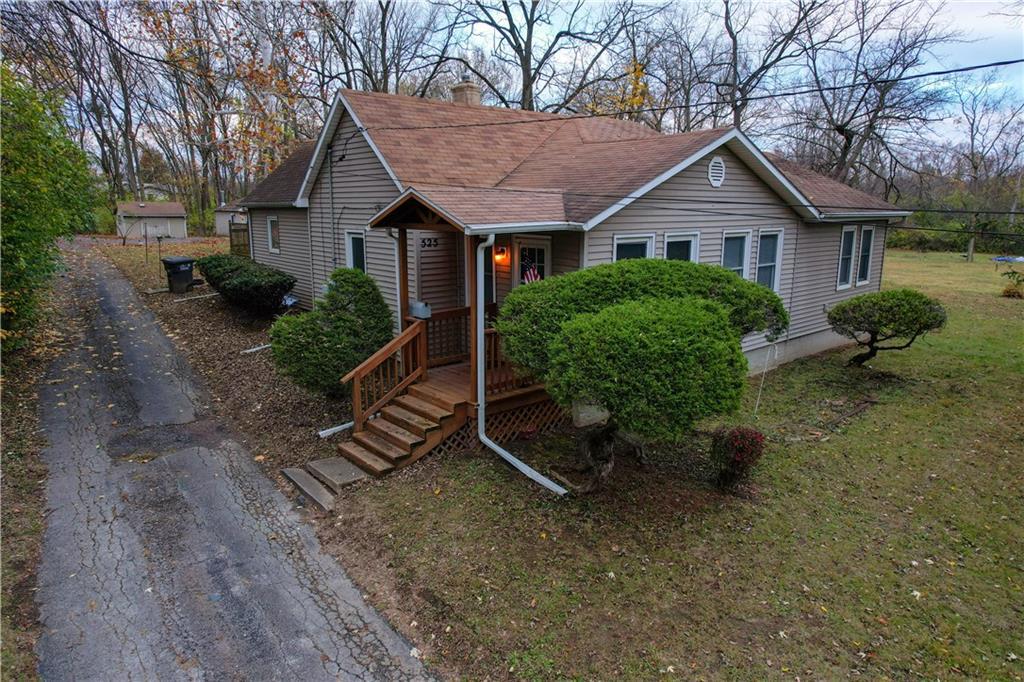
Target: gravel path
(168, 554)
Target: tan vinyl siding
(688, 203)
(440, 269)
(294, 253)
(361, 187)
(565, 257)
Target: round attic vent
(716, 171)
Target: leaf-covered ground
(882, 537)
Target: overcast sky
(993, 38)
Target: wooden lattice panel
(506, 426)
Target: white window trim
(853, 258)
(349, 263)
(537, 241)
(861, 282)
(694, 238)
(746, 251)
(270, 239)
(777, 284)
(646, 239)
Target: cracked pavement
(168, 554)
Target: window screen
(734, 252)
(846, 257)
(767, 260)
(864, 263)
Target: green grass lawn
(889, 543)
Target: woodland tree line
(205, 97)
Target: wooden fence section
(238, 236)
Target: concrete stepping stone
(310, 487)
(336, 472)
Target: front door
(533, 259)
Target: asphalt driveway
(168, 554)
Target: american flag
(529, 269)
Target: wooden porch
(421, 388)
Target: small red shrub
(736, 450)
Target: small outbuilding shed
(225, 216)
(138, 219)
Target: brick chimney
(466, 92)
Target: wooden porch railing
(388, 372)
(449, 334)
(500, 375)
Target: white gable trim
(797, 200)
(326, 135)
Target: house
(445, 203)
(225, 216)
(140, 219)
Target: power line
(806, 90)
(678, 200)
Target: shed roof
(151, 209)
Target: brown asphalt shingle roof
(151, 209)
(493, 165)
(281, 187)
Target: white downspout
(481, 392)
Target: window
(533, 259)
(736, 252)
(683, 246)
(273, 234)
(355, 250)
(867, 236)
(846, 251)
(634, 246)
(769, 258)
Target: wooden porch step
(313, 489)
(410, 421)
(423, 408)
(384, 449)
(401, 437)
(364, 459)
(430, 394)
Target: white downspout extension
(481, 392)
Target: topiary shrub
(246, 283)
(533, 314)
(875, 318)
(657, 366)
(735, 451)
(316, 349)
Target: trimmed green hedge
(350, 323)
(900, 315)
(657, 366)
(256, 287)
(533, 314)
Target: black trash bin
(179, 273)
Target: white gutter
(481, 383)
(510, 228)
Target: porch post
(474, 352)
(403, 277)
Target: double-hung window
(846, 251)
(769, 258)
(634, 246)
(273, 234)
(736, 252)
(355, 250)
(683, 246)
(867, 238)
